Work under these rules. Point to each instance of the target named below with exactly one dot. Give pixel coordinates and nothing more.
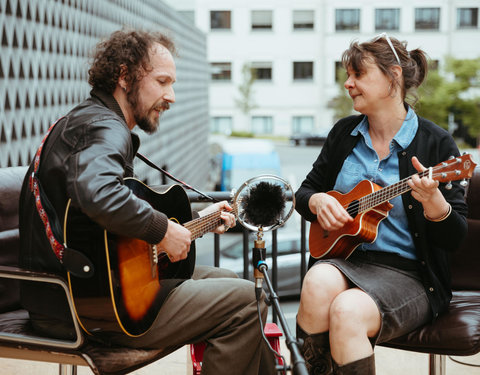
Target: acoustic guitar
(131, 277)
(368, 204)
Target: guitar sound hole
(353, 208)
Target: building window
(221, 124)
(427, 18)
(347, 19)
(188, 14)
(303, 19)
(262, 124)
(221, 71)
(262, 19)
(262, 71)
(467, 18)
(387, 19)
(302, 124)
(220, 20)
(302, 70)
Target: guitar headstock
(454, 169)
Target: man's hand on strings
(228, 218)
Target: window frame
(396, 19)
(302, 79)
(355, 13)
(229, 27)
(261, 26)
(473, 25)
(422, 25)
(303, 28)
(219, 63)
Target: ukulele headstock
(454, 169)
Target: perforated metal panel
(44, 59)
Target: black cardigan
(433, 240)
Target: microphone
(264, 204)
(261, 203)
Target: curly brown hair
(124, 49)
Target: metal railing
(247, 245)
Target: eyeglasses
(387, 38)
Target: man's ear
(122, 82)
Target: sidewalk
(389, 362)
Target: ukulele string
(380, 196)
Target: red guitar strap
(57, 246)
(74, 261)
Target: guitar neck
(206, 223)
(203, 224)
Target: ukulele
(368, 204)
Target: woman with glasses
(377, 271)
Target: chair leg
(64, 369)
(437, 364)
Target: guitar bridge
(153, 260)
(154, 254)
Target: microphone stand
(260, 273)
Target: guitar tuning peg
(463, 183)
(448, 186)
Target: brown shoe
(316, 351)
(364, 366)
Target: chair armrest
(16, 273)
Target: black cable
(184, 184)
(277, 354)
(463, 363)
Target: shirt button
(417, 235)
(410, 206)
(431, 289)
(404, 153)
(422, 262)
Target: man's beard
(141, 117)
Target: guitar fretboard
(206, 223)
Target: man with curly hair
(85, 158)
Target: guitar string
(202, 225)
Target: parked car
(239, 159)
(309, 139)
(288, 260)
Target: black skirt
(394, 283)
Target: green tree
(453, 92)
(246, 101)
(341, 103)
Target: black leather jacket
(85, 158)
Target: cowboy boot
(364, 366)
(316, 351)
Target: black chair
(17, 338)
(456, 332)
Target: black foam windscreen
(264, 204)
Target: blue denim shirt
(363, 164)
